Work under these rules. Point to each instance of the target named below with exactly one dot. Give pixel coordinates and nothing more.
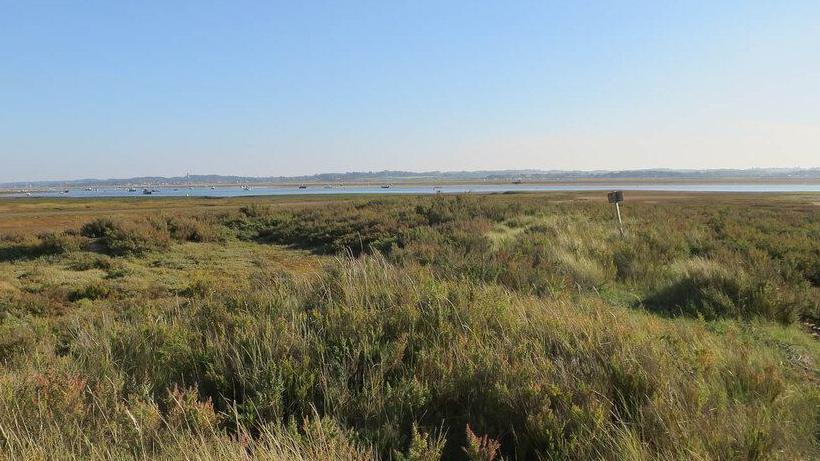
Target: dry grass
(515, 325)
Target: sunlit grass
(463, 327)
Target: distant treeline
(496, 175)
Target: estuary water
(237, 191)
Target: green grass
(416, 328)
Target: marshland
(467, 327)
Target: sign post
(616, 197)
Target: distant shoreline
(416, 187)
(436, 182)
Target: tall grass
(444, 328)
(769, 258)
(382, 350)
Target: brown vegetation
(520, 326)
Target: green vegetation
(126, 237)
(514, 326)
(704, 260)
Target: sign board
(615, 196)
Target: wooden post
(617, 197)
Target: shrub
(188, 229)
(256, 210)
(16, 339)
(116, 270)
(136, 238)
(57, 243)
(44, 244)
(99, 227)
(480, 448)
(86, 261)
(706, 289)
(91, 291)
(423, 447)
(23, 303)
(119, 237)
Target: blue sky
(118, 89)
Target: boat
(65, 191)
(131, 189)
(147, 192)
(385, 186)
(246, 187)
(302, 186)
(213, 188)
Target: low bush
(24, 303)
(188, 229)
(44, 244)
(135, 237)
(256, 210)
(17, 340)
(88, 261)
(91, 291)
(57, 243)
(98, 228)
(704, 288)
(119, 237)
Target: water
(423, 189)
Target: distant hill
(495, 175)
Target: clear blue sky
(118, 89)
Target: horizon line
(488, 172)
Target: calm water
(417, 189)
